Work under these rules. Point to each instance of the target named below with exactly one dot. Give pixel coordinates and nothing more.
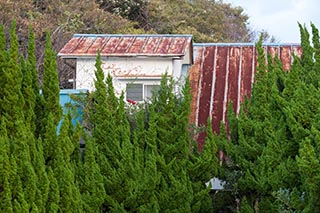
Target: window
(134, 92)
(148, 90)
(140, 92)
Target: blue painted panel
(66, 101)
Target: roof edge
(246, 44)
(130, 35)
(62, 55)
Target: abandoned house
(218, 72)
(136, 62)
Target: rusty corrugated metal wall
(225, 72)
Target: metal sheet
(224, 73)
(87, 45)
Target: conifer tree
(202, 167)
(5, 171)
(12, 102)
(54, 193)
(144, 177)
(43, 182)
(65, 169)
(50, 85)
(50, 140)
(93, 192)
(30, 89)
(278, 123)
(18, 197)
(102, 117)
(3, 56)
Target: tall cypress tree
(5, 170)
(92, 187)
(50, 85)
(64, 171)
(54, 193)
(3, 60)
(30, 87)
(12, 102)
(43, 182)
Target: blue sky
(280, 17)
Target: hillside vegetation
(207, 21)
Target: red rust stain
(246, 73)
(220, 82)
(285, 57)
(150, 46)
(137, 45)
(194, 77)
(205, 90)
(83, 45)
(273, 51)
(70, 46)
(110, 45)
(234, 62)
(240, 65)
(124, 44)
(164, 45)
(177, 46)
(96, 45)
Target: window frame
(144, 86)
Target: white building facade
(136, 62)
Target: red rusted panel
(206, 79)
(177, 45)
(110, 45)
(233, 79)
(248, 59)
(137, 45)
(96, 45)
(70, 46)
(164, 45)
(124, 44)
(194, 77)
(151, 44)
(297, 50)
(273, 50)
(83, 46)
(219, 88)
(285, 57)
(127, 45)
(226, 76)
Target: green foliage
(31, 82)
(54, 193)
(5, 170)
(2, 62)
(12, 101)
(25, 160)
(273, 142)
(207, 20)
(50, 84)
(92, 188)
(149, 163)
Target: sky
(280, 17)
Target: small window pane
(134, 92)
(149, 89)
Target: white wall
(136, 70)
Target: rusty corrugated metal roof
(87, 45)
(225, 72)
